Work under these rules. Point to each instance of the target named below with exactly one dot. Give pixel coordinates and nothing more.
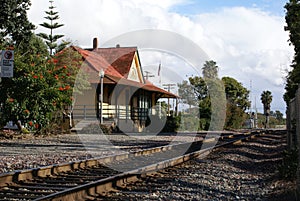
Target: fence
(293, 121)
(110, 112)
(293, 128)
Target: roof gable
(120, 58)
(124, 63)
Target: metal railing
(110, 112)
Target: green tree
(292, 19)
(266, 99)
(51, 39)
(279, 116)
(210, 97)
(237, 102)
(293, 26)
(15, 25)
(200, 91)
(199, 87)
(186, 92)
(216, 94)
(40, 88)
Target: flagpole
(159, 73)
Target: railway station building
(119, 95)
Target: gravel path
(241, 172)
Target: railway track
(86, 179)
(245, 171)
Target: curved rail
(83, 179)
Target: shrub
(288, 167)
(172, 124)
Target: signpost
(7, 63)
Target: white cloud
(247, 43)
(248, 30)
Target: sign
(7, 63)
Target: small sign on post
(7, 63)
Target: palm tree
(266, 99)
(210, 69)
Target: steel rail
(109, 184)
(110, 181)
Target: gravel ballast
(19, 152)
(247, 171)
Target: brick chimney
(95, 43)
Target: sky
(245, 37)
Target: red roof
(120, 58)
(116, 63)
(96, 63)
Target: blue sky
(275, 7)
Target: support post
(101, 74)
(297, 99)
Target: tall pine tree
(15, 26)
(51, 39)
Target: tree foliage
(40, 88)
(279, 116)
(266, 99)
(210, 70)
(15, 26)
(211, 94)
(186, 92)
(293, 26)
(51, 39)
(201, 93)
(237, 102)
(236, 93)
(42, 85)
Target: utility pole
(255, 117)
(251, 114)
(169, 87)
(148, 74)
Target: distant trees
(275, 119)
(266, 99)
(208, 92)
(187, 91)
(52, 39)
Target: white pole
(101, 95)
(101, 111)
